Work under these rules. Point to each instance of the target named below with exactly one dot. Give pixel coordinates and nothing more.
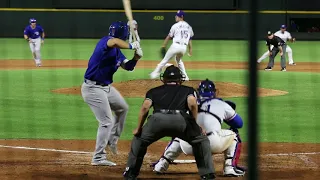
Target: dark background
(157, 24)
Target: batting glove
(135, 45)
(139, 52)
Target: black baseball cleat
(208, 176)
(268, 69)
(283, 69)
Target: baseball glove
(163, 52)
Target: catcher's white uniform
(215, 111)
(284, 36)
(135, 24)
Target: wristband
(130, 46)
(42, 38)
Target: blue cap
(283, 26)
(180, 13)
(32, 20)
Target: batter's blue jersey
(33, 33)
(104, 62)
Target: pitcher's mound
(138, 88)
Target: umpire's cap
(172, 74)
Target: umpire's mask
(172, 74)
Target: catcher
(212, 112)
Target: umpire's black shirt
(170, 96)
(275, 41)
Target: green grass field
(30, 110)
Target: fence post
(252, 99)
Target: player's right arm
(119, 43)
(193, 104)
(25, 35)
(170, 36)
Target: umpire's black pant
(275, 51)
(171, 125)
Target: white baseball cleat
(292, 64)
(38, 65)
(161, 166)
(154, 75)
(231, 171)
(103, 162)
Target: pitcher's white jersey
(181, 32)
(284, 36)
(218, 107)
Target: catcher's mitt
(163, 52)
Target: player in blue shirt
(34, 34)
(101, 96)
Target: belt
(167, 111)
(95, 82)
(209, 133)
(181, 43)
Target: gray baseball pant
(170, 125)
(275, 51)
(103, 100)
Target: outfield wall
(299, 5)
(152, 24)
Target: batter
(98, 92)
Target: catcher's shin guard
(232, 155)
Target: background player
(212, 113)
(98, 92)
(34, 34)
(278, 46)
(284, 35)
(181, 32)
(135, 25)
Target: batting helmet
(207, 89)
(32, 20)
(119, 30)
(172, 74)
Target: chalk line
(45, 149)
(302, 156)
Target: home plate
(184, 161)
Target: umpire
(278, 46)
(172, 104)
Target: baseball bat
(128, 11)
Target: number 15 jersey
(181, 32)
